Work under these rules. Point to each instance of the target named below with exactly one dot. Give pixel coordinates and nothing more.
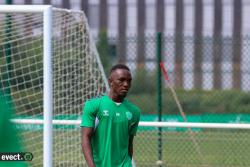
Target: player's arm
(86, 145)
(130, 145)
(87, 130)
(132, 133)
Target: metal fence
(209, 76)
(211, 79)
(201, 148)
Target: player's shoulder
(95, 100)
(132, 107)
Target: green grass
(213, 148)
(209, 148)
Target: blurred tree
(179, 44)
(237, 44)
(198, 45)
(217, 45)
(122, 31)
(103, 50)
(85, 7)
(143, 82)
(46, 2)
(103, 15)
(66, 4)
(141, 24)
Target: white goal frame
(47, 72)
(148, 124)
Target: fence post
(159, 98)
(237, 44)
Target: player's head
(120, 80)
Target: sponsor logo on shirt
(105, 113)
(129, 115)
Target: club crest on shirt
(105, 113)
(129, 115)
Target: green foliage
(103, 50)
(195, 101)
(143, 82)
(240, 103)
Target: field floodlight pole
(47, 73)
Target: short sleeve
(134, 124)
(88, 115)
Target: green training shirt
(113, 124)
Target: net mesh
(218, 147)
(77, 76)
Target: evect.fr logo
(19, 156)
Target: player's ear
(110, 81)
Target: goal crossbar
(148, 124)
(23, 8)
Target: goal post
(54, 68)
(46, 10)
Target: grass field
(218, 148)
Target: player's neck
(115, 97)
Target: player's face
(120, 82)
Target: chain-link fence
(211, 79)
(203, 73)
(202, 147)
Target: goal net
(77, 76)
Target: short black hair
(119, 66)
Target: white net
(77, 76)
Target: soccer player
(109, 123)
(9, 139)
